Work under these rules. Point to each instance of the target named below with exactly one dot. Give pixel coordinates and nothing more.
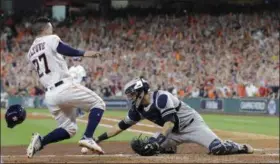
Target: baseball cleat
(35, 145)
(91, 145)
(247, 149)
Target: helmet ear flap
(146, 86)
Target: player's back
(49, 64)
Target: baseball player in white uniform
(62, 95)
(79, 74)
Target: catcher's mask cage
(135, 91)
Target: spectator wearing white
(174, 91)
(79, 74)
(251, 90)
(4, 99)
(195, 92)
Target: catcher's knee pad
(217, 147)
(70, 127)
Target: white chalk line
(108, 119)
(149, 133)
(110, 126)
(140, 124)
(100, 124)
(267, 149)
(238, 120)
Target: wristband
(102, 137)
(160, 139)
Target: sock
(94, 118)
(56, 135)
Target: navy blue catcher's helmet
(15, 114)
(135, 90)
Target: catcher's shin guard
(218, 147)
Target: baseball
(84, 150)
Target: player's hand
(94, 54)
(159, 139)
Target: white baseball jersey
(78, 73)
(50, 65)
(62, 100)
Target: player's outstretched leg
(218, 147)
(94, 118)
(38, 142)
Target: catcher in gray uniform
(181, 124)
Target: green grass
(21, 134)
(250, 124)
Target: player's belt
(55, 85)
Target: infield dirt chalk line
(240, 120)
(149, 133)
(140, 124)
(104, 125)
(266, 149)
(110, 126)
(105, 118)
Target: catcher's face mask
(135, 98)
(134, 92)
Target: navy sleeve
(133, 115)
(166, 107)
(67, 50)
(132, 118)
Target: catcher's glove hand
(144, 146)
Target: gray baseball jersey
(189, 125)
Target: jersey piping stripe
(87, 91)
(167, 113)
(166, 110)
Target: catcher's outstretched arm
(118, 128)
(67, 50)
(168, 126)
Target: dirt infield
(120, 152)
(266, 150)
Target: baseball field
(262, 132)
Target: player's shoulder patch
(162, 101)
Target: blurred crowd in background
(198, 55)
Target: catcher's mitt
(144, 146)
